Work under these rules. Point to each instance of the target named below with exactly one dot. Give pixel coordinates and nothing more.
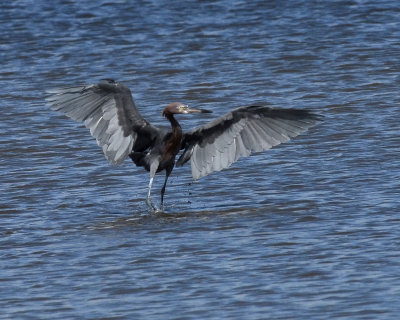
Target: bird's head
(180, 108)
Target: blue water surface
(307, 230)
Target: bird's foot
(153, 208)
(151, 205)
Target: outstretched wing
(108, 110)
(218, 144)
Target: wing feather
(109, 111)
(210, 155)
(273, 135)
(218, 144)
(241, 149)
(266, 140)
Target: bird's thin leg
(168, 172)
(153, 170)
(148, 200)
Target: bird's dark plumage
(109, 111)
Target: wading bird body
(109, 111)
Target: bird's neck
(176, 127)
(173, 144)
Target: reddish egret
(109, 111)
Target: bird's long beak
(192, 110)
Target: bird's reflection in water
(145, 218)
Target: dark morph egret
(109, 111)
